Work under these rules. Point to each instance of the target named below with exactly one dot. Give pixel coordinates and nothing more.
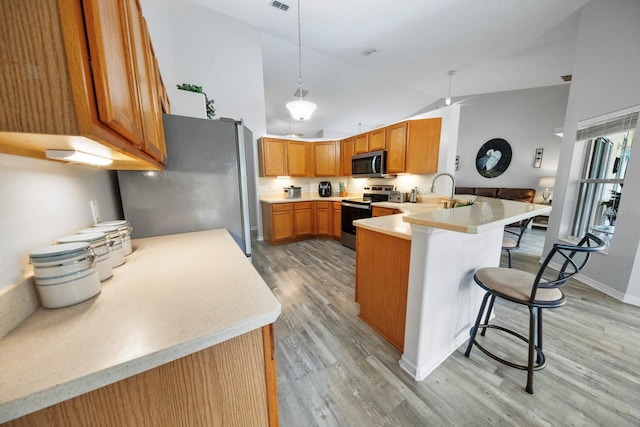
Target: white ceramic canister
(65, 274)
(115, 240)
(125, 230)
(101, 247)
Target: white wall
(526, 119)
(605, 79)
(43, 200)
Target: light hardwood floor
(334, 370)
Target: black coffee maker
(324, 189)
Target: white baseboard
(419, 373)
(605, 289)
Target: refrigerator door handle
(244, 188)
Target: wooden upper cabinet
(361, 143)
(377, 139)
(273, 157)
(113, 66)
(396, 147)
(327, 158)
(76, 68)
(423, 145)
(346, 152)
(297, 158)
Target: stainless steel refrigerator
(204, 187)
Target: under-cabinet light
(74, 156)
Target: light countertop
(174, 296)
(306, 197)
(485, 214)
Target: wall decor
(537, 162)
(493, 158)
(457, 162)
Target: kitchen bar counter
(175, 295)
(278, 198)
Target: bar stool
(511, 239)
(538, 291)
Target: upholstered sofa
(517, 194)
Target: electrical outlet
(95, 211)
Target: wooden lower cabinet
(380, 211)
(288, 222)
(382, 282)
(232, 383)
(337, 221)
(303, 219)
(323, 218)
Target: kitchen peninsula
(182, 334)
(430, 277)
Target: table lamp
(547, 183)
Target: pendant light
(447, 101)
(300, 109)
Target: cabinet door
(326, 158)
(346, 152)
(379, 211)
(297, 158)
(361, 143)
(113, 68)
(323, 218)
(273, 157)
(337, 220)
(423, 145)
(303, 219)
(282, 222)
(396, 147)
(377, 139)
(144, 65)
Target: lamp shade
(547, 182)
(301, 109)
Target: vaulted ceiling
(493, 45)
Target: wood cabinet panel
(423, 145)
(382, 286)
(396, 147)
(361, 143)
(232, 383)
(323, 218)
(113, 66)
(297, 158)
(303, 219)
(377, 139)
(273, 157)
(346, 152)
(327, 158)
(380, 211)
(336, 224)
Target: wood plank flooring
(334, 370)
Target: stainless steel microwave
(370, 165)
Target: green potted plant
(211, 111)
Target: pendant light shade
(300, 109)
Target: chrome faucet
(453, 186)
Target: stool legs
(474, 330)
(533, 323)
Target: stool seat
(509, 243)
(515, 285)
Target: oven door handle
(354, 205)
(373, 164)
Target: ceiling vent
(567, 78)
(297, 93)
(278, 5)
(368, 52)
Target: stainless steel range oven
(353, 209)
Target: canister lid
(115, 223)
(94, 237)
(99, 230)
(61, 251)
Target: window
(607, 149)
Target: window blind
(618, 124)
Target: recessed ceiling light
(278, 5)
(368, 52)
(567, 78)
